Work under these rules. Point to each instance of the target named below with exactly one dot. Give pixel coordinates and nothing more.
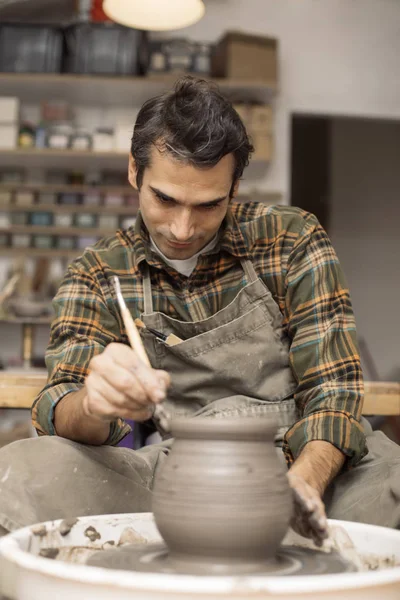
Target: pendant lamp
(154, 15)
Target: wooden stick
(136, 344)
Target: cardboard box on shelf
(261, 118)
(8, 136)
(263, 145)
(257, 118)
(9, 109)
(244, 56)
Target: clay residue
(49, 552)
(92, 534)
(374, 562)
(130, 536)
(66, 525)
(39, 530)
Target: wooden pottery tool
(135, 341)
(170, 340)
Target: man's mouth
(179, 244)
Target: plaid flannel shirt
(295, 259)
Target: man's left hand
(312, 472)
(309, 518)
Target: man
(256, 295)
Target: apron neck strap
(248, 269)
(148, 299)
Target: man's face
(183, 206)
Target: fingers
(309, 518)
(120, 384)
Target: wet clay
(222, 496)
(289, 561)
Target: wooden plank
(19, 390)
(57, 230)
(130, 211)
(97, 90)
(382, 398)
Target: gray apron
(234, 363)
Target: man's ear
(132, 172)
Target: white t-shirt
(188, 265)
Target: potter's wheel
(26, 575)
(290, 560)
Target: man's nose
(182, 227)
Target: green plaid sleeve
(324, 354)
(83, 326)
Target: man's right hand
(121, 385)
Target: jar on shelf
(19, 218)
(63, 220)
(41, 218)
(59, 136)
(27, 136)
(81, 140)
(20, 240)
(43, 242)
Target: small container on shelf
(85, 220)
(113, 200)
(41, 218)
(4, 240)
(128, 222)
(63, 220)
(12, 175)
(70, 199)
(44, 242)
(47, 198)
(75, 178)
(84, 242)
(4, 220)
(65, 242)
(81, 140)
(20, 240)
(25, 198)
(27, 136)
(19, 218)
(103, 140)
(59, 136)
(92, 199)
(108, 222)
(5, 197)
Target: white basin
(26, 576)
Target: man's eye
(210, 206)
(163, 200)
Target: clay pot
(222, 496)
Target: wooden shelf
(71, 159)
(68, 188)
(40, 252)
(92, 90)
(55, 230)
(78, 159)
(27, 321)
(130, 211)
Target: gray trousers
(52, 478)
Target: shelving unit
(99, 92)
(68, 159)
(92, 90)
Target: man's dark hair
(194, 123)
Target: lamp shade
(154, 15)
